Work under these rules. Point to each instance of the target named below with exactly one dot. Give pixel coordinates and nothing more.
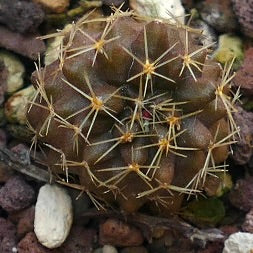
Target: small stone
(16, 70)
(244, 76)
(30, 244)
(98, 250)
(118, 233)
(242, 150)
(109, 249)
(159, 9)
(27, 45)
(53, 216)
(219, 15)
(80, 239)
(134, 250)
(248, 223)
(16, 105)
(53, 47)
(16, 194)
(3, 81)
(242, 194)
(5, 174)
(229, 47)
(239, 243)
(26, 222)
(21, 16)
(7, 236)
(244, 12)
(56, 6)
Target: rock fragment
(56, 6)
(118, 233)
(244, 76)
(21, 16)
(26, 45)
(242, 150)
(16, 106)
(160, 9)
(16, 195)
(244, 12)
(242, 194)
(239, 243)
(15, 70)
(53, 216)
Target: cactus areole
(134, 112)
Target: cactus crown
(134, 111)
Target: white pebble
(53, 216)
(239, 243)
(160, 9)
(109, 249)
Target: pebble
(16, 105)
(21, 16)
(230, 46)
(219, 15)
(244, 12)
(239, 243)
(80, 239)
(109, 249)
(27, 45)
(118, 233)
(242, 150)
(3, 81)
(248, 223)
(7, 236)
(15, 70)
(16, 195)
(55, 6)
(53, 216)
(26, 222)
(160, 9)
(30, 244)
(242, 195)
(244, 76)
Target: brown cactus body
(134, 111)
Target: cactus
(134, 112)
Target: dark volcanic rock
(244, 12)
(242, 194)
(16, 195)
(7, 236)
(244, 76)
(21, 16)
(26, 45)
(219, 15)
(243, 148)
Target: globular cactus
(134, 112)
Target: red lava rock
(242, 194)
(118, 233)
(244, 76)
(248, 223)
(26, 222)
(244, 12)
(30, 244)
(7, 236)
(26, 45)
(243, 148)
(21, 16)
(219, 15)
(16, 195)
(80, 240)
(229, 230)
